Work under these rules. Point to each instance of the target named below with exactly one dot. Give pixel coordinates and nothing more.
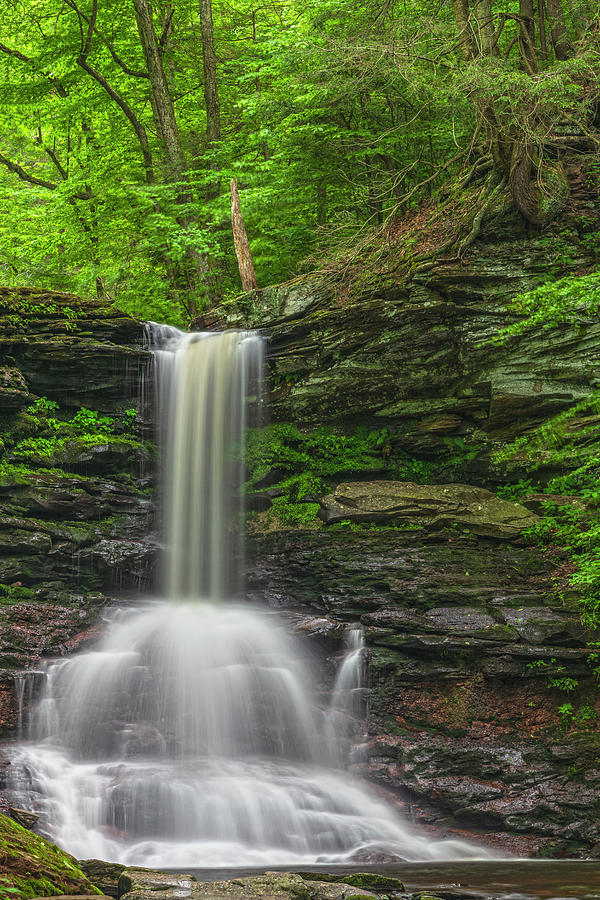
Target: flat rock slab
(432, 506)
(143, 884)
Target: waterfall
(191, 736)
(202, 386)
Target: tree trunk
(542, 26)
(527, 36)
(240, 239)
(538, 201)
(485, 27)
(163, 111)
(464, 28)
(209, 57)
(160, 96)
(561, 41)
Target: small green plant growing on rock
(568, 300)
(565, 712)
(566, 684)
(568, 444)
(6, 889)
(47, 434)
(299, 467)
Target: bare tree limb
(241, 243)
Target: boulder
(433, 506)
(104, 875)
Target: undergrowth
(297, 468)
(41, 434)
(571, 300)
(570, 518)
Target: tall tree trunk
(485, 27)
(209, 57)
(464, 28)
(542, 26)
(240, 239)
(527, 36)
(561, 40)
(160, 96)
(163, 111)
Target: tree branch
(16, 169)
(26, 176)
(165, 32)
(93, 29)
(61, 91)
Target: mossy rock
(461, 506)
(35, 867)
(373, 882)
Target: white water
(189, 737)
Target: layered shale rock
(415, 350)
(75, 474)
(466, 638)
(483, 697)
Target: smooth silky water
(189, 737)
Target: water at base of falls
(189, 739)
(191, 736)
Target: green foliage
(580, 718)
(303, 465)
(573, 300)
(10, 593)
(334, 117)
(517, 490)
(458, 455)
(569, 442)
(47, 435)
(566, 684)
(565, 711)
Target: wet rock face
(144, 884)
(13, 389)
(465, 636)
(76, 517)
(416, 354)
(77, 352)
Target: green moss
(14, 594)
(301, 466)
(373, 882)
(32, 867)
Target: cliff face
(483, 703)
(476, 647)
(75, 474)
(415, 352)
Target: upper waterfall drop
(203, 385)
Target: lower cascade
(192, 736)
